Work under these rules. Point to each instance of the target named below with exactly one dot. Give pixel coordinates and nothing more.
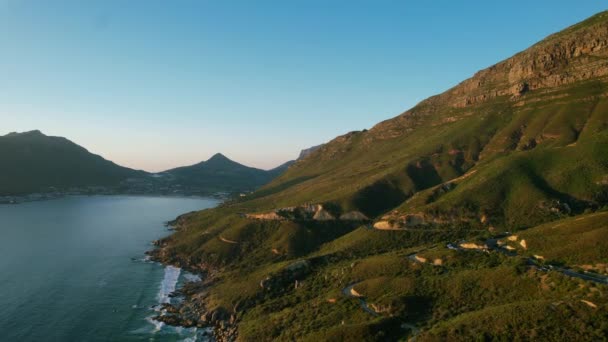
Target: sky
(157, 84)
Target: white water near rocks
(168, 284)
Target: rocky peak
(578, 53)
(307, 151)
(575, 54)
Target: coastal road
(492, 246)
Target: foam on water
(168, 284)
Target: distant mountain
(32, 162)
(222, 174)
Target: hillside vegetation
(519, 148)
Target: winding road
(348, 292)
(492, 246)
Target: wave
(168, 284)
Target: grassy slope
(518, 161)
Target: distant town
(157, 184)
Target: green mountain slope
(222, 174)
(521, 143)
(32, 162)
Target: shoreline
(190, 311)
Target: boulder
(420, 259)
(523, 244)
(383, 225)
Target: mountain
(33, 162)
(477, 214)
(279, 170)
(222, 174)
(308, 151)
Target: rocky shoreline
(192, 311)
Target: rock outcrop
(286, 276)
(272, 216)
(323, 215)
(354, 216)
(384, 225)
(560, 59)
(316, 212)
(473, 245)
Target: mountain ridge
(378, 234)
(223, 174)
(35, 162)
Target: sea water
(74, 269)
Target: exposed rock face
(354, 293)
(560, 59)
(523, 244)
(354, 216)
(308, 151)
(472, 245)
(307, 212)
(413, 221)
(265, 216)
(383, 225)
(286, 277)
(575, 54)
(323, 215)
(379, 308)
(420, 259)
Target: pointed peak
(218, 156)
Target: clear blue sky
(157, 84)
